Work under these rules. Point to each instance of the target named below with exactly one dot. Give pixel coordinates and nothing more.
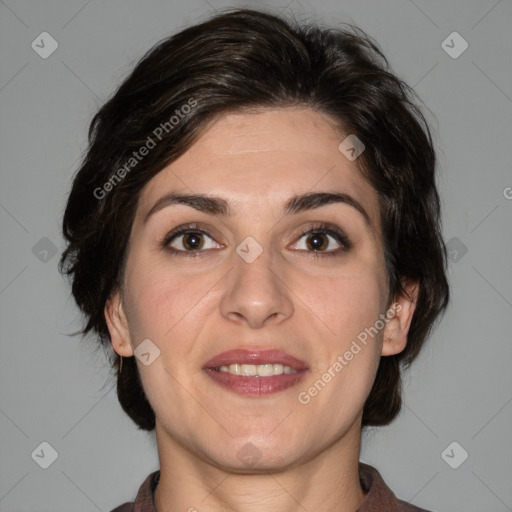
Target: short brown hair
(234, 61)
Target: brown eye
(189, 241)
(317, 241)
(193, 241)
(322, 240)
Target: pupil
(316, 241)
(192, 241)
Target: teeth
(259, 370)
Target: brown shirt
(379, 496)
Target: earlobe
(399, 320)
(118, 325)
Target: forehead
(264, 157)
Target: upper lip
(253, 356)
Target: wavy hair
(238, 60)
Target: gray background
(55, 388)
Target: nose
(257, 293)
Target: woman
(255, 231)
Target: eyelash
(316, 228)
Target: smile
(255, 372)
(260, 370)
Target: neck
(327, 482)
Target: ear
(399, 317)
(118, 325)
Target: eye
(318, 241)
(189, 241)
(322, 240)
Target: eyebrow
(214, 205)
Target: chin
(254, 461)
(258, 455)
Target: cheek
(347, 361)
(161, 300)
(168, 309)
(348, 305)
(347, 302)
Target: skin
(193, 308)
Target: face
(255, 305)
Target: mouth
(255, 372)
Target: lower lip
(255, 386)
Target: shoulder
(379, 497)
(144, 499)
(125, 507)
(402, 506)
